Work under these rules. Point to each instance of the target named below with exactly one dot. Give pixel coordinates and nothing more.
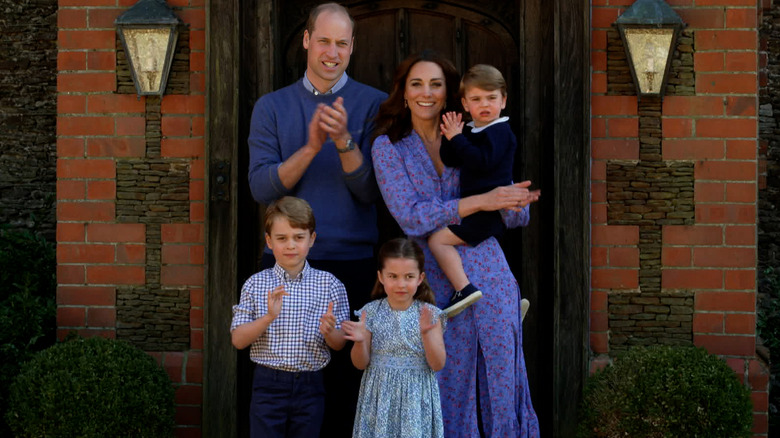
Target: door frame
(558, 113)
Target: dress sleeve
(514, 219)
(409, 193)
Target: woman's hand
(512, 197)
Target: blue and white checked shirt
(293, 341)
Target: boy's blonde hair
(297, 211)
(485, 77)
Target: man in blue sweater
(312, 140)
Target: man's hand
(317, 135)
(334, 120)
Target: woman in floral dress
(484, 385)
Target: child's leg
(442, 244)
(268, 409)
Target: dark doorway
(539, 45)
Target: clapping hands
(356, 331)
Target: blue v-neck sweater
(343, 203)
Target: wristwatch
(349, 147)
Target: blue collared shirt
(292, 342)
(334, 89)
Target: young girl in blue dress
(399, 343)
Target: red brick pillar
(709, 118)
(100, 128)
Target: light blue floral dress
(485, 378)
(399, 394)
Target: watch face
(348, 147)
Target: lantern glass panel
(147, 51)
(649, 50)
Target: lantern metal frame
(645, 20)
(151, 16)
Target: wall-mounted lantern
(649, 30)
(148, 31)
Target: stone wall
(28, 114)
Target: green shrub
(27, 304)
(666, 391)
(92, 388)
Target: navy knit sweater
(485, 157)
(343, 203)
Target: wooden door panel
(431, 31)
(375, 53)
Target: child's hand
(328, 321)
(356, 331)
(427, 322)
(275, 298)
(452, 124)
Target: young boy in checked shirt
(290, 314)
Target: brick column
(130, 204)
(709, 120)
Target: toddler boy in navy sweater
(484, 150)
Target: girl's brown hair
(394, 118)
(403, 248)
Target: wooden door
(539, 45)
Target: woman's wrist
(470, 205)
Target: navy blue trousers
(286, 404)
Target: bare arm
(505, 197)
(433, 339)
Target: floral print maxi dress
(484, 343)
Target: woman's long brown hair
(394, 118)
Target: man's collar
(334, 89)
